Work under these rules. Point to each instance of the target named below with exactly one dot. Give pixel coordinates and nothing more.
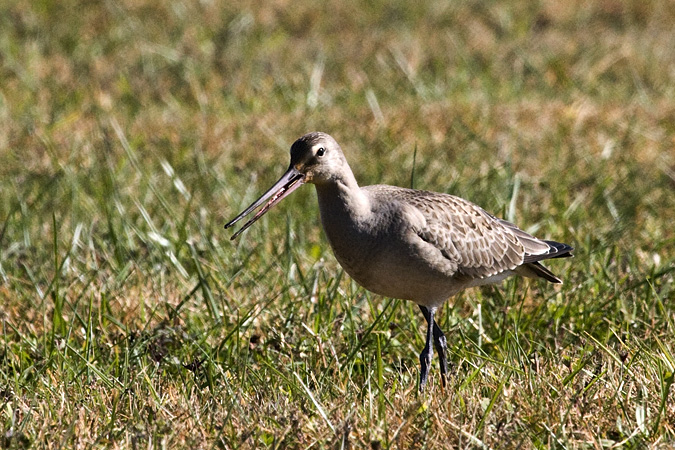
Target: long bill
(288, 182)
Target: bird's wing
(480, 244)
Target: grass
(130, 132)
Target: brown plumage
(404, 243)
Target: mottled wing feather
(470, 236)
(531, 245)
(479, 243)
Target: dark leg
(428, 352)
(441, 344)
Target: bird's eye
(320, 151)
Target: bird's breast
(356, 246)
(380, 250)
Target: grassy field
(131, 131)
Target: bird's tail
(536, 270)
(533, 269)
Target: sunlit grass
(130, 132)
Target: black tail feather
(559, 250)
(542, 272)
(556, 250)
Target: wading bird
(405, 243)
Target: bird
(407, 244)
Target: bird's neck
(342, 197)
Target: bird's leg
(441, 344)
(428, 352)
